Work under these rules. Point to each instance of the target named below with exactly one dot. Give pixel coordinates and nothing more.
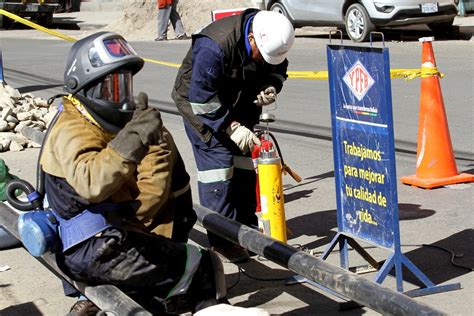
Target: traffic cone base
(434, 183)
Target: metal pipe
(107, 297)
(346, 283)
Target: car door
(296, 9)
(323, 11)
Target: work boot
(233, 254)
(83, 308)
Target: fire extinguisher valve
(267, 150)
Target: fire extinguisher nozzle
(292, 173)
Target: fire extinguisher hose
(285, 168)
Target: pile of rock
(18, 111)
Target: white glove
(266, 97)
(244, 138)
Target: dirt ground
(139, 19)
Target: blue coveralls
(226, 176)
(216, 85)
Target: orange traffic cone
(435, 165)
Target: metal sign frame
(364, 161)
(1, 67)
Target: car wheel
(358, 24)
(279, 8)
(442, 27)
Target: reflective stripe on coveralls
(206, 108)
(224, 174)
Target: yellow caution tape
(309, 75)
(164, 63)
(36, 26)
(407, 74)
(425, 72)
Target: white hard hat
(274, 35)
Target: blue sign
(364, 158)
(364, 161)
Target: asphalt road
(442, 217)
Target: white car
(361, 17)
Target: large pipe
(346, 283)
(107, 297)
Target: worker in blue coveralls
(235, 66)
(118, 187)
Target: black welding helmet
(99, 72)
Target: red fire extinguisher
(255, 155)
(265, 144)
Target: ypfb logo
(358, 80)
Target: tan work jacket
(76, 149)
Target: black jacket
(243, 78)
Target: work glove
(266, 97)
(144, 129)
(244, 138)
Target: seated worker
(115, 180)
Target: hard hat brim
(273, 60)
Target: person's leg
(61, 6)
(163, 18)
(68, 5)
(244, 181)
(176, 21)
(138, 264)
(119, 258)
(214, 161)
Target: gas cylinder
(272, 217)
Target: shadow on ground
(264, 284)
(444, 260)
(29, 309)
